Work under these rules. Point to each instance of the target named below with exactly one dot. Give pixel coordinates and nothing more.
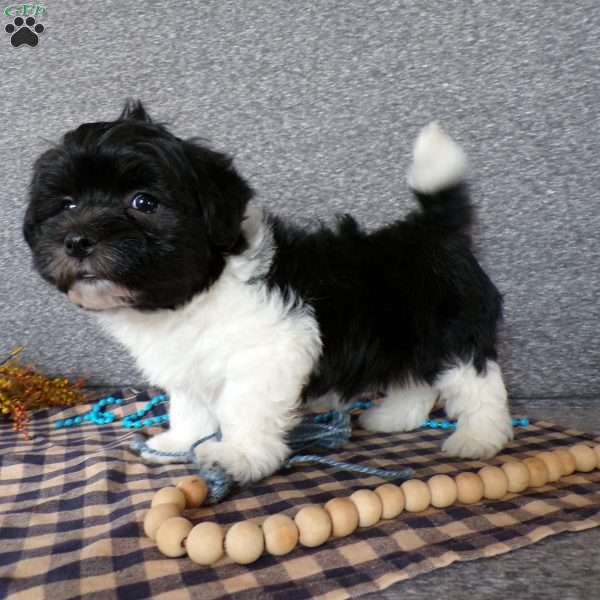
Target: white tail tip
(438, 161)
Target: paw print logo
(24, 31)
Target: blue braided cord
(219, 482)
(310, 432)
(332, 429)
(217, 435)
(391, 474)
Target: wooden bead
(392, 500)
(597, 451)
(517, 474)
(495, 482)
(369, 507)
(469, 488)
(170, 537)
(169, 495)
(538, 473)
(314, 525)
(585, 458)
(343, 515)
(281, 534)
(195, 491)
(157, 515)
(204, 543)
(416, 495)
(443, 491)
(566, 460)
(552, 463)
(244, 542)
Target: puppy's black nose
(78, 246)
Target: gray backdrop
(320, 102)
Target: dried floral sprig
(23, 389)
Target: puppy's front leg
(189, 421)
(255, 414)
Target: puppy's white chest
(232, 328)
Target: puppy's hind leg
(478, 400)
(404, 408)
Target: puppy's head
(124, 213)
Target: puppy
(240, 316)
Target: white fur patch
(236, 357)
(404, 408)
(438, 161)
(480, 403)
(98, 294)
(329, 401)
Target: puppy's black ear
(29, 228)
(134, 110)
(222, 193)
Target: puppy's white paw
(438, 161)
(166, 443)
(378, 419)
(404, 408)
(227, 457)
(242, 465)
(463, 444)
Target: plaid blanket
(73, 501)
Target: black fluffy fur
(405, 301)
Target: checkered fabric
(73, 502)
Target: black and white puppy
(240, 316)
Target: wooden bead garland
(313, 525)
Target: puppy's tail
(437, 176)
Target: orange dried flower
(23, 389)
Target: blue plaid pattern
(73, 501)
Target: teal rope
(403, 474)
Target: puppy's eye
(144, 203)
(69, 204)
